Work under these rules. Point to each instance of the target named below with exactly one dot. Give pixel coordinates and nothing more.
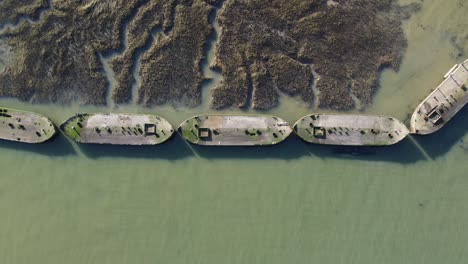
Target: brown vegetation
(347, 41)
(170, 70)
(155, 15)
(266, 48)
(57, 57)
(12, 10)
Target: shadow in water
(175, 148)
(56, 147)
(411, 149)
(442, 141)
(289, 149)
(293, 148)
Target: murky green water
(292, 203)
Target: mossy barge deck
(443, 103)
(22, 126)
(117, 129)
(350, 130)
(230, 130)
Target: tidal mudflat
(292, 203)
(154, 51)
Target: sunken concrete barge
(230, 130)
(443, 103)
(27, 127)
(118, 129)
(350, 130)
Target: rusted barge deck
(117, 129)
(443, 103)
(22, 126)
(230, 130)
(350, 130)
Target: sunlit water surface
(293, 203)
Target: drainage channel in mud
(357, 102)
(108, 56)
(110, 75)
(313, 85)
(31, 20)
(5, 56)
(213, 77)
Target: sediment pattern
(57, 57)
(347, 41)
(155, 15)
(170, 70)
(267, 48)
(12, 10)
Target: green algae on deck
(22, 126)
(117, 129)
(226, 130)
(350, 130)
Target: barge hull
(350, 130)
(27, 127)
(443, 103)
(118, 129)
(224, 130)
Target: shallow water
(293, 203)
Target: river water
(293, 203)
